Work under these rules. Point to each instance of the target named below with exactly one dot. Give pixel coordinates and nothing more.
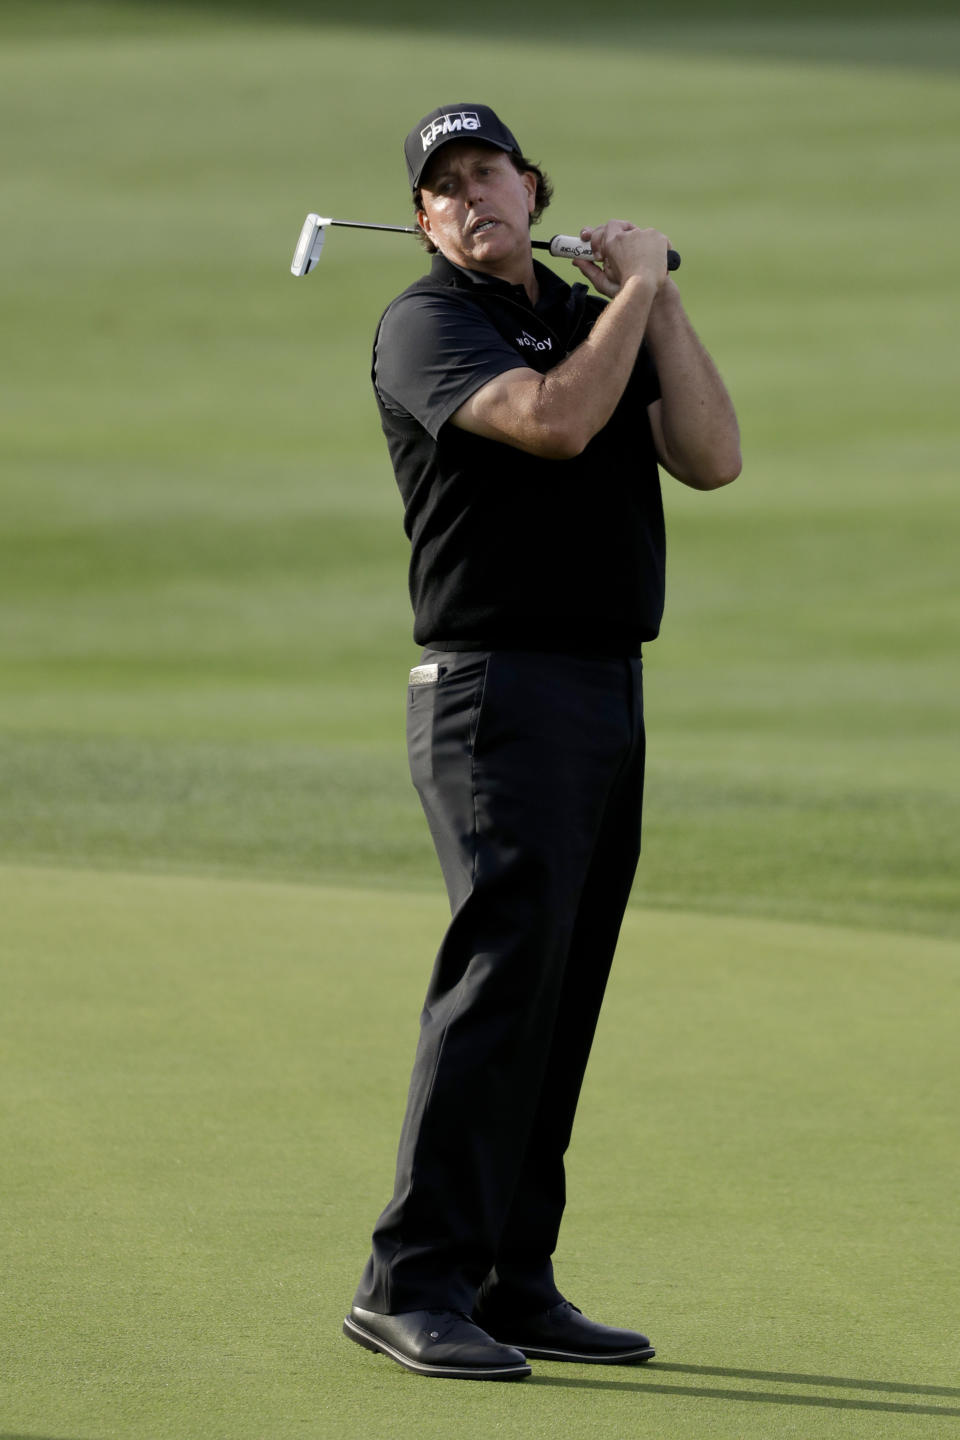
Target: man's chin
(493, 245)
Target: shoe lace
(445, 1320)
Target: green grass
(204, 1081)
(219, 900)
(202, 566)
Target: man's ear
(423, 221)
(530, 181)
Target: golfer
(525, 419)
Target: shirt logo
(532, 343)
(449, 125)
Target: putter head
(309, 245)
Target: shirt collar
(552, 288)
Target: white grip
(570, 247)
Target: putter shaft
(310, 244)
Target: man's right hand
(622, 251)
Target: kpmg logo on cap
(450, 124)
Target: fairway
(202, 567)
(218, 899)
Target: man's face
(477, 206)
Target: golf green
(204, 1081)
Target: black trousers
(529, 767)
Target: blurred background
(205, 629)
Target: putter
(313, 233)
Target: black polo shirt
(510, 551)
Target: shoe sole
(369, 1341)
(574, 1357)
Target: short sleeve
(433, 352)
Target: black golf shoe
(440, 1343)
(563, 1333)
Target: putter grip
(571, 247)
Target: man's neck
(519, 272)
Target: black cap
(453, 122)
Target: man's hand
(622, 251)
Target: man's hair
(520, 163)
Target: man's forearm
(700, 437)
(556, 415)
(580, 395)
